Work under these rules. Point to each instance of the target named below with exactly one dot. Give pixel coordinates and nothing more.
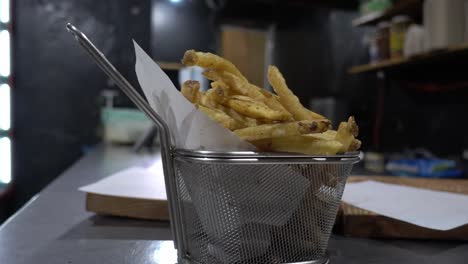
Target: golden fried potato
(243, 120)
(217, 81)
(220, 117)
(355, 145)
(191, 91)
(234, 114)
(245, 98)
(353, 126)
(327, 135)
(241, 86)
(210, 61)
(262, 144)
(251, 122)
(271, 122)
(212, 75)
(254, 109)
(274, 104)
(346, 134)
(247, 89)
(287, 97)
(306, 145)
(213, 97)
(282, 129)
(223, 86)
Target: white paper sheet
(133, 182)
(422, 207)
(190, 128)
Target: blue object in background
(430, 168)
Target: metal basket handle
(165, 136)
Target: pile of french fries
(272, 122)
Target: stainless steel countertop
(55, 228)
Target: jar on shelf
(383, 41)
(373, 49)
(398, 29)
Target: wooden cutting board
(134, 192)
(351, 221)
(127, 207)
(356, 222)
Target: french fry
(223, 86)
(217, 81)
(272, 122)
(220, 117)
(234, 114)
(213, 97)
(252, 108)
(247, 89)
(327, 135)
(303, 127)
(355, 145)
(245, 121)
(241, 86)
(346, 134)
(210, 61)
(306, 145)
(250, 122)
(354, 129)
(262, 144)
(208, 102)
(267, 94)
(212, 75)
(245, 98)
(330, 134)
(272, 101)
(282, 130)
(287, 97)
(274, 104)
(191, 91)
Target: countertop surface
(54, 227)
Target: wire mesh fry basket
(256, 207)
(243, 207)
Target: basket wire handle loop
(164, 134)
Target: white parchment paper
(431, 209)
(134, 182)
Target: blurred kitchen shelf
(450, 56)
(170, 66)
(411, 8)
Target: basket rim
(205, 155)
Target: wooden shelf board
(376, 66)
(171, 66)
(412, 8)
(432, 57)
(368, 19)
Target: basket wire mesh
(239, 210)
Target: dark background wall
(177, 27)
(56, 97)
